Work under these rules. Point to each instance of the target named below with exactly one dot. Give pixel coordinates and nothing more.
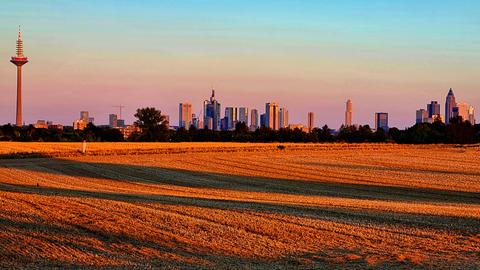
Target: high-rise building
(449, 105)
(348, 113)
(19, 60)
(461, 110)
(283, 118)
(184, 115)
(195, 121)
(211, 113)
(254, 119)
(433, 109)
(263, 120)
(271, 115)
(243, 115)
(381, 121)
(231, 115)
(91, 120)
(112, 120)
(84, 116)
(471, 115)
(224, 123)
(421, 116)
(311, 121)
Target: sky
(387, 56)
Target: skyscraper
(381, 121)
(271, 115)
(19, 60)
(471, 115)
(283, 118)
(421, 116)
(211, 113)
(243, 115)
(449, 105)
(184, 115)
(311, 121)
(112, 120)
(433, 109)
(254, 119)
(231, 115)
(263, 120)
(461, 110)
(84, 116)
(348, 113)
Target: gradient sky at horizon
(392, 56)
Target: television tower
(19, 60)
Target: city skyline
(247, 65)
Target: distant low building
(56, 126)
(127, 131)
(80, 124)
(298, 126)
(120, 123)
(41, 124)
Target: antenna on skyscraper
(120, 107)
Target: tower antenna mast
(120, 107)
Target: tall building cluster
(452, 109)
(274, 117)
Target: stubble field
(239, 206)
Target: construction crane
(120, 107)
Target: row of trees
(154, 128)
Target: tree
(324, 134)
(153, 125)
(241, 127)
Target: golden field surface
(239, 206)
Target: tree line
(153, 127)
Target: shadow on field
(350, 216)
(185, 178)
(392, 169)
(73, 235)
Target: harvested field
(239, 206)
